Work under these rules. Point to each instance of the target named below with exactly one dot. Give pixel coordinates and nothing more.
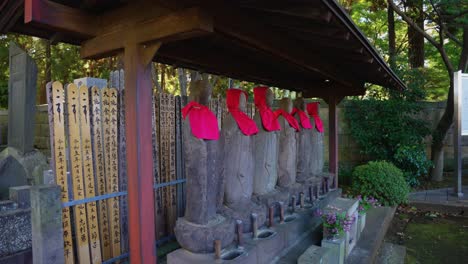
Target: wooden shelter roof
(303, 45)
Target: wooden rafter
(175, 26)
(48, 14)
(254, 35)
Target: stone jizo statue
(265, 142)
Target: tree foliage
(387, 126)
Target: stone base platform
(243, 212)
(200, 238)
(272, 243)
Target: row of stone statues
(247, 167)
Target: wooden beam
(333, 154)
(138, 129)
(48, 14)
(212, 60)
(175, 26)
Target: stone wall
(348, 149)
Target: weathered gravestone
(20, 163)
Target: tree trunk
(391, 38)
(415, 39)
(447, 119)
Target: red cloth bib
(269, 121)
(312, 110)
(245, 123)
(305, 121)
(291, 120)
(203, 122)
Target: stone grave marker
(20, 163)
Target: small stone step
(6, 205)
(391, 254)
(315, 254)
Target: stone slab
(315, 254)
(337, 249)
(46, 222)
(21, 99)
(391, 254)
(377, 223)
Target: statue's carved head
(200, 91)
(270, 96)
(286, 104)
(300, 104)
(242, 102)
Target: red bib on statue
(245, 123)
(305, 121)
(312, 110)
(291, 120)
(269, 120)
(203, 122)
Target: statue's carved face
(200, 91)
(300, 104)
(242, 102)
(269, 98)
(286, 105)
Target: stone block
(46, 222)
(316, 255)
(337, 250)
(21, 195)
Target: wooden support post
(138, 114)
(333, 137)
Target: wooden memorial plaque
(56, 97)
(81, 223)
(99, 167)
(88, 173)
(111, 160)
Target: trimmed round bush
(381, 180)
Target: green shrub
(388, 125)
(381, 180)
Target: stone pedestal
(199, 238)
(337, 249)
(348, 206)
(243, 211)
(46, 221)
(270, 244)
